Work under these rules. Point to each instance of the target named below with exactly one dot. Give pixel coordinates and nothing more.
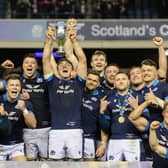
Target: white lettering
(121, 30)
(164, 30)
(152, 31)
(13, 118)
(88, 106)
(65, 91)
(35, 90)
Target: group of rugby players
(69, 112)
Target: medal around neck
(121, 119)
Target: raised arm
(54, 65)
(153, 141)
(82, 62)
(46, 60)
(162, 71)
(8, 64)
(68, 47)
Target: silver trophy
(60, 28)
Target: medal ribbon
(122, 102)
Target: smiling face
(110, 73)
(65, 69)
(149, 73)
(13, 89)
(136, 76)
(121, 82)
(98, 62)
(29, 67)
(92, 82)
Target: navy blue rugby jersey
(102, 80)
(38, 91)
(160, 90)
(90, 112)
(65, 97)
(16, 117)
(162, 135)
(139, 94)
(106, 88)
(119, 110)
(104, 84)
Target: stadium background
(125, 53)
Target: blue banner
(33, 30)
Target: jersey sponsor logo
(163, 141)
(71, 123)
(155, 89)
(94, 99)
(118, 110)
(64, 89)
(36, 88)
(130, 136)
(87, 104)
(12, 116)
